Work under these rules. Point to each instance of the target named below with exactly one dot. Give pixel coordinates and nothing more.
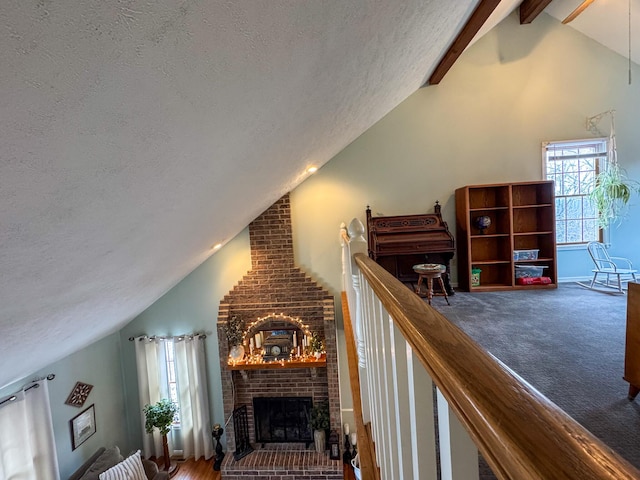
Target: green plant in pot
(161, 416)
(611, 194)
(319, 422)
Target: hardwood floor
(194, 470)
(203, 470)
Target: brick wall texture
(276, 286)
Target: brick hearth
(287, 463)
(275, 286)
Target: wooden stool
(429, 272)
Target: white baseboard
(574, 279)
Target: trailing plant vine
(611, 194)
(612, 189)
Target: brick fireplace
(276, 295)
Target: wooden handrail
(520, 433)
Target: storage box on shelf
(525, 254)
(529, 271)
(498, 225)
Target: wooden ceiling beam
(479, 16)
(530, 9)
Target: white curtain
(152, 387)
(27, 444)
(194, 398)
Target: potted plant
(611, 194)
(316, 345)
(234, 329)
(161, 416)
(319, 422)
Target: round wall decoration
(79, 394)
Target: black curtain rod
(13, 397)
(158, 337)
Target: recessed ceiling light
(217, 246)
(312, 169)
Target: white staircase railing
(407, 351)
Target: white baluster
(357, 244)
(458, 453)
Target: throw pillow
(105, 461)
(130, 468)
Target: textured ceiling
(128, 128)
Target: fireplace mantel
(279, 365)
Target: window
(172, 384)
(573, 166)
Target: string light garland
(276, 316)
(298, 354)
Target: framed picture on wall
(83, 426)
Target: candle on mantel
(295, 339)
(251, 346)
(354, 439)
(346, 429)
(258, 340)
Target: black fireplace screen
(282, 419)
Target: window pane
(557, 185)
(571, 166)
(553, 168)
(587, 181)
(574, 207)
(561, 212)
(571, 184)
(561, 232)
(574, 231)
(591, 231)
(589, 164)
(588, 208)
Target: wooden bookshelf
(522, 218)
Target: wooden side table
(428, 272)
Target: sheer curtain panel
(193, 397)
(27, 444)
(152, 387)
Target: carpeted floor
(568, 343)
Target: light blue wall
(189, 307)
(97, 365)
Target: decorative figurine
(217, 433)
(334, 445)
(354, 440)
(482, 223)
(346, 455)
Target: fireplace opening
(282, 419)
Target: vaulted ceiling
(128, 127)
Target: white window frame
(601, 157)
(172, 379)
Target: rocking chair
(619, 267)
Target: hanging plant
(612, 189)
(611, 194)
